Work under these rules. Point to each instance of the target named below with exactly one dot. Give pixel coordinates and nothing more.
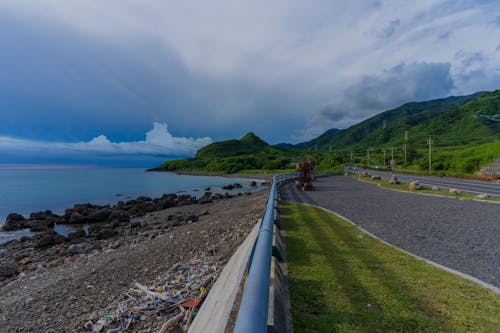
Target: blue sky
(149, 79)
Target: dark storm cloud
(391, 88)
(72, 71)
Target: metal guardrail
(253, 311)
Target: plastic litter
(170, 301)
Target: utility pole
(406, 136)
(368, 157)
(430, 154)
(405, 152)
(384, 155)
(352, 158)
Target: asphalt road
(464, 185)
(461, 234)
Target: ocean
(26, 189)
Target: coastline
(79, 278)
(250, 176)
(36, 190)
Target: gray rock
(205, 200)
(14, 222)
(40, 268)
(75, 249)
(77, 218)
(119, 215)
(40, 225)
(72, 236)
(48, 238)
(100, 215)
(8, 268)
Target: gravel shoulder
(461, 234)
(63, 296)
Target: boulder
(253, 183)
(101, 232)
(482, 196)
(205, 200)
(413, 185)
(119, 215)
(165, 203)
(217, 196)
(83, 208)
(454, 191)
(100, 215)
(72, 236)
(14, 222)
(77, 218)
(75, 249)
(228, 187)
(8, 268)
(41, 225)
(48, 238)
(45, 215)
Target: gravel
(461, 234)
(61, 292)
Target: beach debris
(171, 301)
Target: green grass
(342, 280)
(426, 190)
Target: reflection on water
(65, 229)
(10, 235)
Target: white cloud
(158, 141)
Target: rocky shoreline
(171, 229)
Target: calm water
(26, 190)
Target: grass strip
(343, 280)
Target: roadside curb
(428, 194)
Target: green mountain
(389, 126)
(462, 141)
(230, 156)
(248, 144)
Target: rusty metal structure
(306, 177)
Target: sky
(123, 80)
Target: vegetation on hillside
(461, 142)
(230, 156)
